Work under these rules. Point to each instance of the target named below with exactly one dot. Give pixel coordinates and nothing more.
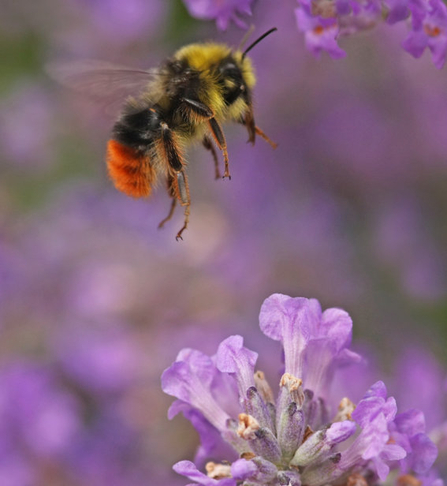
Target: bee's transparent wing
(102, 81)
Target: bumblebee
(186, 99)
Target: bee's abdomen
(137, 128)
(130, 169)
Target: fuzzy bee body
(185, 100)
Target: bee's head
(237, 75)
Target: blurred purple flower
(34, 410)
(123, 21)
(39, 422)
(26, 119)
(325, 21)
(293, 440)
(420, 381)
(102, 360)
(320, 33)
(397, 11)
(223, 11)
(402, 241)
(429, 30)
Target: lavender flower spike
(306, 437)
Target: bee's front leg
(196, 110)
(253, 130)
(201, 112)
(249, 121)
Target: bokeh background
(95, 301)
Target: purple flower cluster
(305, 436)
(429, 29)
(325, 21)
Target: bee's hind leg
(178, 189)
(177, 181)
(171, 212)
(208, 144)
(173, 196)
(185, 199)
(185, 224)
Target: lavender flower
(301, 437)
(319, 33)
(223, 11)
(324, 22)
(429, 30)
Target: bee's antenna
(257, 41)
(245, 38)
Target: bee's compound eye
(230, 70)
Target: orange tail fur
(130, 171)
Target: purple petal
(374, 437)
(180, 381)
(243, 469)
(211, 442)
(398, 10)
(377, 390)
(366, 409)
(340, 431)
(411, 422)
(279, 312)
(393, 452)
(199, 363)
(287, 319)
(415, 43)
(189, 469)
(382, 469)
(368, 445)
(336, 325)
(373, 404)
(223, 11)
(320, 34)
(424, 453)
(331, 333)
(233, 357)
(439, 51)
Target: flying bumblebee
(187, 98)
